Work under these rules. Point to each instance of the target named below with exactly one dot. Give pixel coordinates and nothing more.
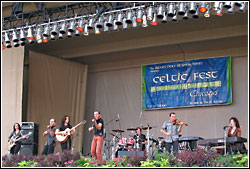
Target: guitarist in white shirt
(66, 125)
(15, 135)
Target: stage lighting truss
(123, 17)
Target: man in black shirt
(51, 139)
(140, 139)
(98, 138)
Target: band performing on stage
(137, 142)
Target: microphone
(118, 117)
(226, 127)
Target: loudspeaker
(126, 153)
(29, 150)
(30, 127)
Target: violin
(178, 122)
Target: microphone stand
(225, 141)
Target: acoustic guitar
(62, 136)
(12, 143)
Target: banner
(184, 84)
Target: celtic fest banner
(185, 84)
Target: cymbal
(114, 135)
(160, 137)
(145, 128)
(118, 130)
(131, 129)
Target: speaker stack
(29, 145)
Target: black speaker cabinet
(126, 153)
(29, 150)
(34, 129)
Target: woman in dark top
(66, 124)
(15, 135)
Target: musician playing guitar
(13, 136)
(65, 126)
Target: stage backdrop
(184, 84)
(56, 88)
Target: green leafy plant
(27, 164)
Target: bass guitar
(13, 142)
(62, 136)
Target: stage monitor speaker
(126, 153)
(28, 150)
(34, 129)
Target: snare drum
(122, 141)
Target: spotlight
(227, 5)
(219, 10)
(52, 37)
(16, 44)
(54, 29)
(238, 4)
(231, 10)
(14, 37)
(139, 15)
(192, 8)
(71, 26)
(45, 39)
(181, 8)
(154, 21)
(203, 7)
(150, 13)
(110, 20)
(207, 13)
(39, 35)
(144, 21)
(30, 34)
(171, 10)
(46, 31)
(100, 22)
(106, 28)
(7, 39)
(77, 33)
(175, 19)
(69, 34)
(3, 46)
(115, 27)
(185, 17)
(216, 5)
(60, 36)
(160, 11)
(124, 24)
(242, 8)
(86, 31)
(164, 19)
(134, 22)
(119, 19)
(90, 25)
(97, 30)
(23, 43)
(31, 42)
(129, 17)
(63, 28)
(22, 35)
(196, 15)
(8, 45)
(80, 25)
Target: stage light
(219, 11)
(154, 21)
(216, 5)
(175, 18)
(207, 13)
(46, 30)
(242, 8)
(129, 17)
(30, 34)
(77, 33)
(192, 8)
(97, 30)
(139, 15)
(115, 26)
(91, 22)
(150, 13)
(164, 19)
(86, 31)
(203, 7)
(14, 36)
(124, 24)
(69, 34)
(110, 21)
(16, 44)
(238, 4)
(7, 39)
(39, 35)
(171, 10)
(63, 28)
(23, 43)
(22, 35)
(134, 22)
(31, 42)
(99, 23)
(45, 39)
(185, 17)
(106, 28)
(227, 5)
(80, 25)
(71, 26)
(181, 8)
(52, 37)
(144, 21)
(3, 46)
(60, 36)
(54, 29)
(8, 45)
(196, 15)
(231, 10)
(160, 11)
(119, 19)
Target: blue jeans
(175, 147)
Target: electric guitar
(62, 136)
(13, 143)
